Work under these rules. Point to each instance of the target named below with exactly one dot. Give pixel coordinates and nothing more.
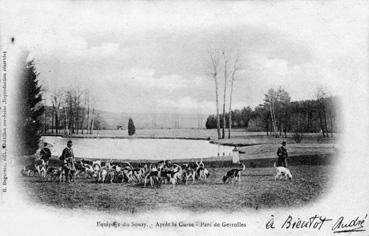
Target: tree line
(72, 111)
(278, 115)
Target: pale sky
(152, 57)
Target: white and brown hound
(234, 174)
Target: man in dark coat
(282, 155)
(68, 160)
(45, 154)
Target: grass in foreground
(257, 190)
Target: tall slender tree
(235, 69)
(321, 98)
(277, 102)
(56, 101)
(214, 72)
(270, 102)
(225, 91)
(30, 110)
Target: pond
(138, 148)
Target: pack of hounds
(153, 174)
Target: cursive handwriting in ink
(270, 223)
(345, 226)
(314, 222)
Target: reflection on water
(152, 149)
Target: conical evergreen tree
(30, 110)
(131, 127)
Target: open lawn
(257, 190)
(309, 161)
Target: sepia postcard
(184, 117)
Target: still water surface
(136, 148)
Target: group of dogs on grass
(154, 174)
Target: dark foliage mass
(30, 110)
(278, 116)
(131, 127)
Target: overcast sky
(152, 57)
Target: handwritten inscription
(343, 225)
(316, 222)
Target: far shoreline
(123, 137)
(212, 141)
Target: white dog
(40, 167)
(282, 172)
(204, 174)
(103, 172)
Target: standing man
(68, 160)
(45, 154)
(282, 155)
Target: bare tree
(87, 103)
(236, 67)
(69, 112)
(56, 101)
(332, 113)
(77, 106)
(225, 91)
(271, 99)
(92, 124)
(321, 95)
(83, 111)
(74, 110)
(214, 72)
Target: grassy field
(309, 161)
(257, 190)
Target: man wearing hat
(282, 155)
(67, 158)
